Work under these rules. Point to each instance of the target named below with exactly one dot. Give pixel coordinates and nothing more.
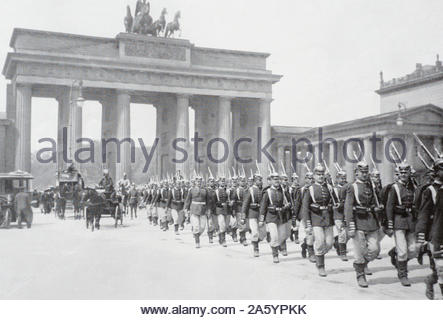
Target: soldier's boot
(291, 236)
(234, 235)
(166, 225)
(275, 255)
(360, 272)
(441, 287)
(176, 229)
(223, 243)
(403, 273)
(320, 264)
(197, 240)
(268, 237)
(311, 254)
(255, 246)
(367, 271)
(304, 247)
(210, 237)
(155, 221)
(393, 256)
(337, 246)
(150, 219)
(296, 241)
(243, 238)
(342, 250)
(421, 252)
(430, 281)
(284, 249)
(220, 238)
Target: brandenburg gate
(230, 91)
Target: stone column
(368, 151)
(75, 122)
(23, 127)
(264, 122)
(331, 164)
(123, 134)
(280, 158)
(349, 166)
(109, 131)
(183, 132)
(62, 123)
(411, 155)
(387, 167)
(225, 133)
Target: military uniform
(196, 203)
(155, 200)
(274, 209)
(223, 213)
(237, 212)
(175, 204)
(251, 213)
(361, 216)
(24, 209)
(318, 213)
(133, 201)
(427, 224)
(210, 212)
(401, 216)
(163, 213)
(339, 219)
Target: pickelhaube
(319, 169)
(340, 174)
(362, 166)
(309, 175)
(404, 167)
(274, 175)
(294, 176)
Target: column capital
(122, 91)
(183, 95)
(267, 100)
(225, 98)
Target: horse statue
(142, 20)
(158, 26)
(173, 26)
(128, 20)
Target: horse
(142, 20)
(173, 26)
(93, 203)
(158, 26)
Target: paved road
(62, 260)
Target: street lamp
(400, 121)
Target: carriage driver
(106, 182)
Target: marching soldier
(175, 204)
(210, 209)
(361, 215)
(133, 200)
(429, 227)
(239, 192)
(273, 209)
(155, 199)
(293, 189)
(251, 212)
(339, 217)
(195, 204)
(317, 209)
(163, 212)
(223, 211)
(288, 213)
(308, 241)
(401, 215)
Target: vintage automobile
(10, 185)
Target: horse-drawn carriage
(69, 184)
(98, 204)
(11, 184)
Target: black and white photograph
(178, 155)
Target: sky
(330, 53)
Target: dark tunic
(400, 211)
